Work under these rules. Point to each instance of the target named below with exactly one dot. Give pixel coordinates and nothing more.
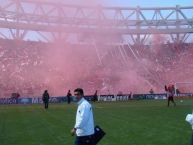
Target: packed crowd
(25, 68)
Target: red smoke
(31, 67)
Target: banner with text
(61, 99)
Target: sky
(132, 3)
(149, 3)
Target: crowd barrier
(61, 99)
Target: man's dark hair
(79, 90)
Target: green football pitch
(125, 123)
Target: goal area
(183, 87)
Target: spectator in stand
(45, 98)
(151, 91)
(177, 91)
(15, 95)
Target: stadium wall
(61, 99)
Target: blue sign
(8, 101)
(25, 101)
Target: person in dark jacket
(95, 96)
(45, 98)
(170, 95)
(69, 96)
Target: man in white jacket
(84, 126)
(189, 119)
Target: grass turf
(126, 123)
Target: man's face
(77, 96)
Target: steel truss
(22, 19)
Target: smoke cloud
(98, 63)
